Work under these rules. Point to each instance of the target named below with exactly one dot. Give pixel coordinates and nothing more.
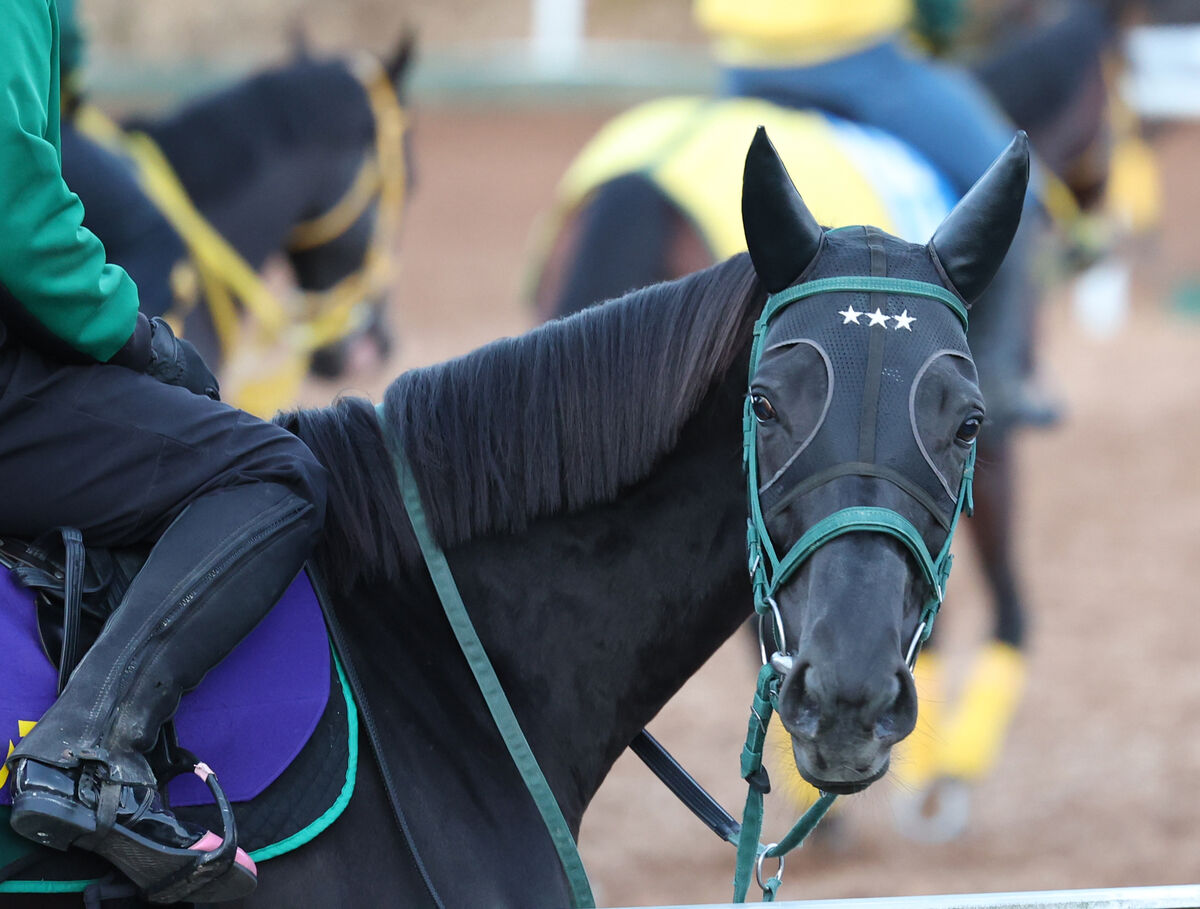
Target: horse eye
(763, 411)
(969, 429)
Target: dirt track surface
(1097, 785)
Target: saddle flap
(248, 719)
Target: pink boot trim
(211, 841)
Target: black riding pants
(119, 455)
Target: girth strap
(72, 605)
(342, 648)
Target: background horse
(648, 199)
(586, 482)
(1054, 68)
(307, 161)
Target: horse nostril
(808, 722)
(805, 719)
(900, 717)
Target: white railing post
(556, 41)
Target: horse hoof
(936, 814)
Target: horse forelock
(554, 420)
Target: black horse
(303, 160)
(640, 225)
(586, 482)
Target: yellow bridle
(266, 338)
(382, 176)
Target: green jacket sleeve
(51, 265)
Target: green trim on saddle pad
(14, 847)
(309, 833)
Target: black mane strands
(568, 414)
(554, 420)
(367, 535)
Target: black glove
(174, 361)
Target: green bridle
(769, 572)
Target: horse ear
(781, 233)
(298, 38)
(973, 240)
(400, 59)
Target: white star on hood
(904, 320)
(851, 315)
(877, 318)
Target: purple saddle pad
(247, 720)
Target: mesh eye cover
(905, 331)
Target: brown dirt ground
(1097, 784)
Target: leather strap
(685, 787)
(338, 637)
(899, 286)
(493, 693)
(72, 605)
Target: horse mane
(554, 420)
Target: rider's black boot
(80, 776)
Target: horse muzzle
(835, 780)
(842, 735)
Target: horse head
(340, 249)
(308, 160)
(861, 420)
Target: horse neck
(595, 619)
(600, 553)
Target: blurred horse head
(308, 160)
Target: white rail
(1164, 71)
(1186, 896)
(558, 29)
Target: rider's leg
(235, 505)
(1049, 77)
